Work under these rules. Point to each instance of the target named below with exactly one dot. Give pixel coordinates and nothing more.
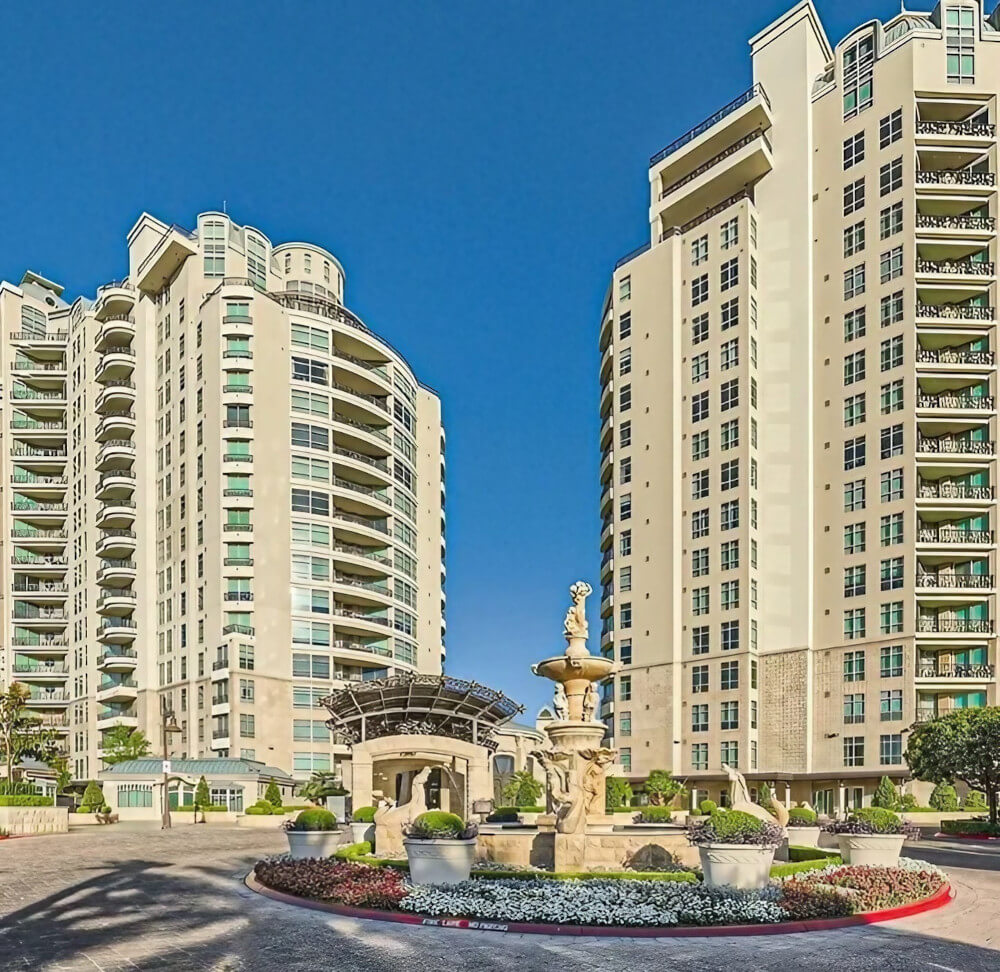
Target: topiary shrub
(886, 796)
(202, 795)
(93, 798)
(907, 802)
(316, 818)
(871, 820)
(273, 795)
(256, 811)
(802, 817)
(440, 825)
(707, 806)
(363, 814)
(735, 827)
(944, 798)
(656, 815)
(975, 800)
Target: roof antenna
(224, 201)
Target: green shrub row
(656, 815)
(211, 808)
(811, 854)
(797, 867)
(18, 788)
(682, 876)
(25, 800)
(970, 827)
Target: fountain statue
(575, 762)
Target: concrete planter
(736, 865)
(312, 843)
(802, 836)
(440, 861)
(879, 850)
(362, 830)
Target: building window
(854, 495)
(699, 250)
(854, 666)
(699, 679)
(891, 661)
(892, 486)
(891, 529)
(699, 601)
(730, 715)
(700, 640)
(854, 623)
(891, 264)
(890, 749)
(699, 290)
(890, 128)
(699, 524)
(625, 507)
(858, 62)
(891, 705)
(960, 34)
(699, 329)
(135, 795)
(854, 239)
(699, 562)
(699, 756)
(854, 410)
(854, 281)
(624, 398)
(699, 367)
(730, 594)
(890, 220)
(729, 394)
(625, 724)
(890, 177)
(729, 434)
(625, 651)
(854, 453)
(891, 353)
(214, 247)
(730, 753)
(854, 708)
(892, 397)
(625, 325)
(624, 688)
(730, 475)
(729, 673)
(891, 309)
(854, 367)
(854, 751)
(699, 718)
(699, 445)
(699, 407)
(625, 579)
(625, 758)
(854, 538)
(730, 515)
(891, 441)
(730, 635)
(729, 233)
(625, 434)
(891, 617)
(854, 196)
(730, 555)
(854, 324)
(854, 580)
(625, 288)
(729, 274)
(625, 543)
(891, 572)
(625, 616)
(729, 354)
(625, 362)
(854, 149)
(730, 313)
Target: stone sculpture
(590, 700)
(740, 800)
(560, 705)
(575, 625)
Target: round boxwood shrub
(256, 811)
(735, 827)
(975, 800)
(314, 819)
(944, 798)
(707, 806)
(363, 814)
(802, 817)
(437, 825)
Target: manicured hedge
(23, 800)
(656, 815)
(974, 828)
(189, 808)
(810, 854)
(784, 870)
(682, 876)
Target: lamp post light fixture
(168, 724)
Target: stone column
(788, 796)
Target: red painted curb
(937, 900)
(965, 836)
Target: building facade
(798, 411)
(224, 494)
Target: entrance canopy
(428, 705)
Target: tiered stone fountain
(575, 761)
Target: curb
(937, 900)
(965, 836)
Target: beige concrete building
(798, 414)
(221, 490)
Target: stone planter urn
(440, 861)
(736, 865)
(362, 830)
(879, 850)
(312, 843)
(802, 836)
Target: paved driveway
(123, 898)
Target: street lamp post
(168, 724)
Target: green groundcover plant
(311, 820)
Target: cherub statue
(590, 700)
(575, 625)
(560, 704)
(556, 779)
(593, 774)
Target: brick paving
(127, 898)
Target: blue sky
(476, 167)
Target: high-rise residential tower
(798, 414)
(222, 489)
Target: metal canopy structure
(432, 705)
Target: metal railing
(968, 268)
(926, 578)
(975, 129)
(955, 671)
(945, 400)
(930, 490)
(961, 222)
(954, 177)
(948, 534)
(691, 134)
(956, 312)
(716, 159)
(954, 356)
(945, 445)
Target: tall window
(960, 34)
(859, 60)
(854, 150)
(214, 247)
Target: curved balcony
(115, 484)
(361, 499)
(607, 432)
(32, 671)
(56, 699)
(240, 390)
(370, 406)
(607, 465)
(369, 470)
(118, 659)
(116, 601)
(116, 573)
(117, 689)
(39, 592)
(607, 398)
(114, 299)
(115, 453)
(372, 375)
(118, 513)
(116, 363)
(373, 562)
(109, 716)
(116, 630)
(38, 512)
(607, 564)
(349, 619)
(358, 436)
(607, 534)
(116, 544)
(607, 497)
(349, 526)
(607, 359)
(357, 650)
(116, 395)
(119, 424)
(116, 331)
(359, 590)
(35, 539)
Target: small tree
(93, 798)
(765, 797)
(617, 792)
(122, 743)
(21, 734)
(273, 795)
(661, 787)
(886, 795)
(320, 785)
(963, 745)
(944, 797)
(974, 800)
(522, 790)
(202, 796)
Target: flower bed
(830, 891)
